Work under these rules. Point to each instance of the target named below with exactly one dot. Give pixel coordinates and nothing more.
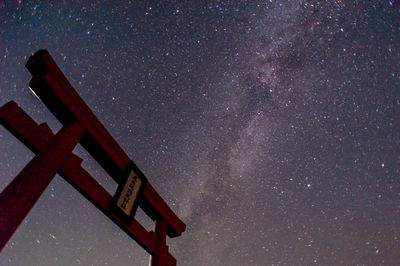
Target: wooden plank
(18, 198)
(79, 178)
(157, 207)
(53, 88)
(19, 122)
(71, 171)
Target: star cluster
(270, 127)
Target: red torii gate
(54, 155)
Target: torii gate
(54, 155)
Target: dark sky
(271, 128)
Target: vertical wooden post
(18, 198)
(160, 258)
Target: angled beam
(80, 179)
(28, 131)
(16, 121)
(18, 198)
(53, 88)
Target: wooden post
(160, 258)
(18, 198)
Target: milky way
(271, 128)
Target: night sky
(271, 128)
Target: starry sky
(270, 127)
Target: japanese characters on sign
(126, 199)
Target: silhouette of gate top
(53, 88)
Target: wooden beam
(53, 88)
(18, 198)
(11, 116)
